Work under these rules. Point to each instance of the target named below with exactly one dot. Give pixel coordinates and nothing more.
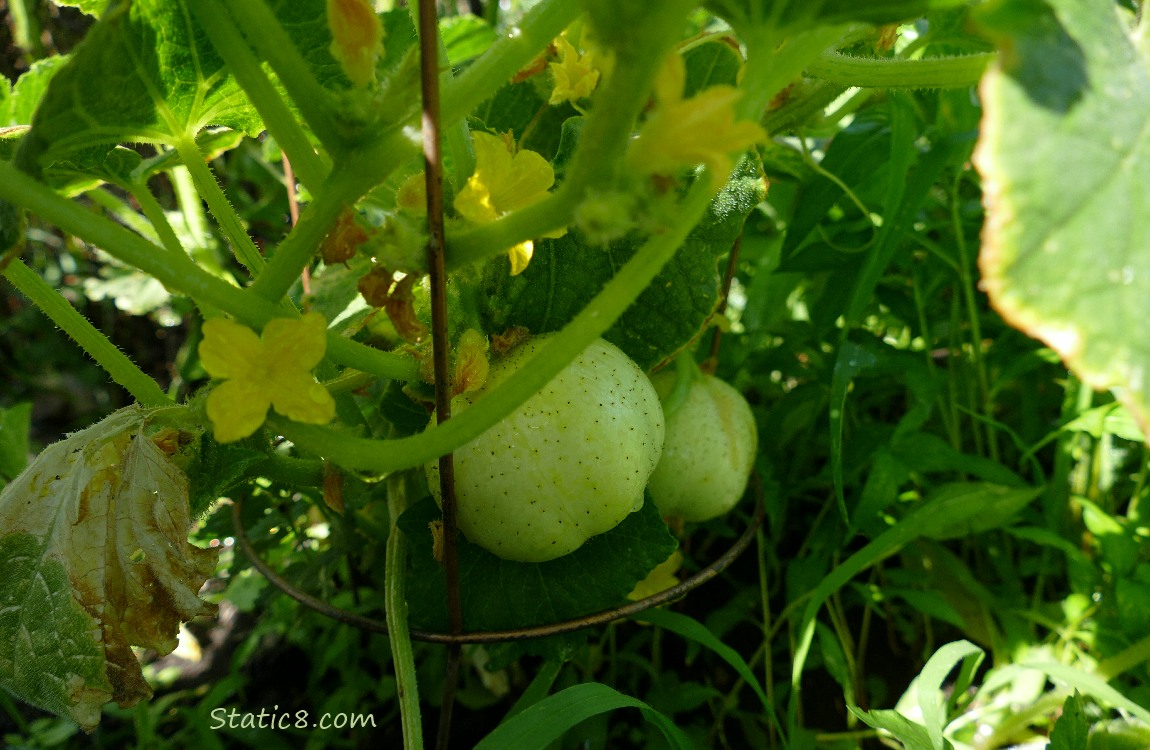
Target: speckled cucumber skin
(570, 463)
(709, 451)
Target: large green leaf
(1065, 158)
(500, 594)
(145, 72)
(96, 559)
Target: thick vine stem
(501, 636)
(122, 370)
(181, 273)
(922, 73)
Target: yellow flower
(505, 179)
(686, 132)
(576, 74)
(357, 38)
(262, 371)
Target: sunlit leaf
(144, 72)
(1063, 255)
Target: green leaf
(145, 72)
(693, 630)
(500, 594)
(15, 422)
(965, 508)
(671, 311)
(95, 548)
(536, 727)
(911, 734)
(930, 686)
(465, 37)
(1062, 258)
(216, 468)
(91, 7)
(19, 102)
(951, 511)
(1072, 729)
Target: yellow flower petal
(671, 79)
(228, 349)
(502, 182)
(297, 396)
(237, 408)
(520, 256)
(474, 201)
(699, 130)
(529, 179)
(295, 344)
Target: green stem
(201, 250)
(488, 240)
(154, 213)
(119, 209)
(264, 32)
(310, 167)
(771, 66)
(893, 73)
(298, 249)
(245, 250)
(119, 367)
(292, 472)
(181, 273)
(592, 322)
(395, 602)
(507, 56)
(985, 401)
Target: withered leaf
(93, 539)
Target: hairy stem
(896, 73)
(115, 362)
(245, 250)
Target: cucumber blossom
(569, 463)
(708, 453)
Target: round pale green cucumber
(570, 463)
(709, 451)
